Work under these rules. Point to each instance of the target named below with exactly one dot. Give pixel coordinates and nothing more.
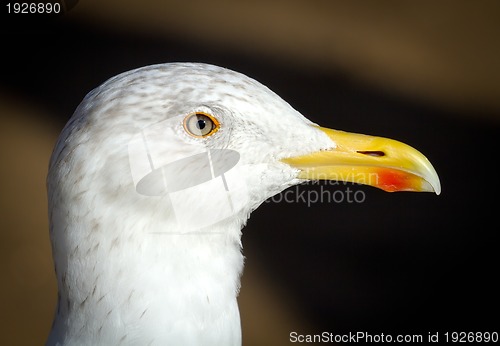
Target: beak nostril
(376, 153)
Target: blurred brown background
(426, 73)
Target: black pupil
(201, 124)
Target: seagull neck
(153, 281)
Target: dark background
(427, 75)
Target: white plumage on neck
(148, 286)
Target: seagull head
(152, 180)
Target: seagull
(151, 182)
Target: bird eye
(201, 124)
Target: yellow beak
(381, 162)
